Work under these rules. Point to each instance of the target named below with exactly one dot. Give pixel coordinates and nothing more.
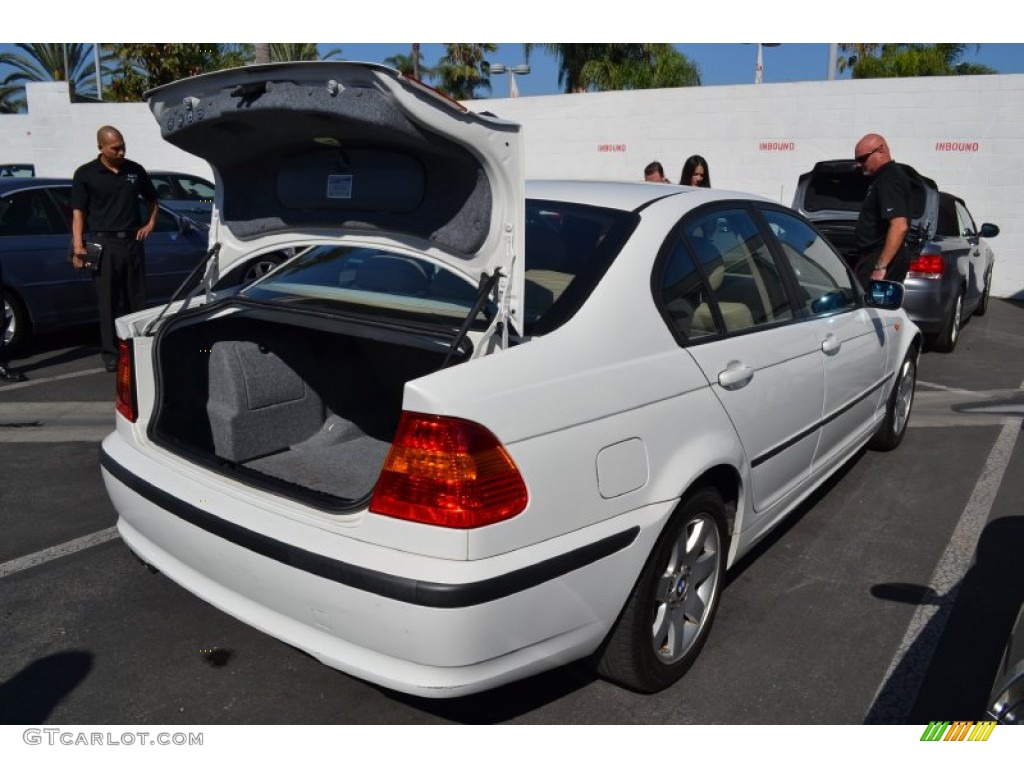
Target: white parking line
(53, 553)
(33, 381)
(944, 388)
(60, 422)
(899, 689)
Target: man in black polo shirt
(104, 201)
(884, 215)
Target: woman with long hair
(695, 172)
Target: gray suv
(951, 273)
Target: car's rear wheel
(669, 613)
(18, 325)
(982, 307)
(897, 410)
(260, 266)
(945, 340)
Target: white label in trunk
(339, 186)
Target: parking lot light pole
(518, 69)
(759, 69)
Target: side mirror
(185, 225)
(885, 294)
(988, 230)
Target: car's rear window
(836, 187)
(373, 281)
(569, 247)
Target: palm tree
(300, 52)
(461, 70)
(139, 67)
(47, 62)
(412, 65)
(640, 65)
(571, 58)
(867, 60)
(12, 99)
(619, 66)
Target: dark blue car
(42, 291)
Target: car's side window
(163, 187)
(195, 189)
(61, 197)
(967, 228)
(165, 222)
(826, 285)
(27, 213)
(745, 286)
(947, 226)
(684, 293)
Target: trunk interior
(841, 234)
(299, 405)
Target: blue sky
(799, 24)
(720, 63)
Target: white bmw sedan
(476, 428)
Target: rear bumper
(928, 303)
(421, 626)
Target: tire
(897, 410)
(982, 307)
(667, 618)
(259, 267)
(946, 339)
(19, 327)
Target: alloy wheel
(687, 589)
(904, 397)
(11, 330)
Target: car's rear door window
(29, 213)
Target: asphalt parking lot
(886, 598)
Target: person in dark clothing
(104, 201)
(884, 215)
(6, 372)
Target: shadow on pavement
(509, 701)
(30, 696)
(972, 622)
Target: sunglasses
(861, 159)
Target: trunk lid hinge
(487, 283)
(211, 258)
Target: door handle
(831, 344)
(735, 375)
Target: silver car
(950, 276)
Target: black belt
(119, 235)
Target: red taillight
(448, 472)
(126, 381)
(930, 265)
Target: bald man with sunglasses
(884, 215)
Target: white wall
(58, 136)
(967, 133)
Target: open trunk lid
(312, 150)
(831, 194)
